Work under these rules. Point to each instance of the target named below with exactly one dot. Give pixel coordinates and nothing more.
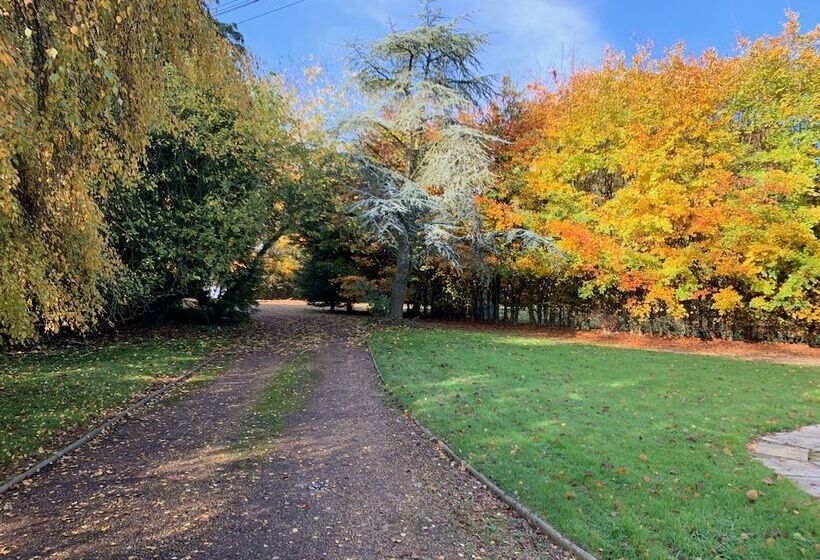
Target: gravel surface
(348, 477)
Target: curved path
(348, 477)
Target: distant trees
(279, 270)
(328, 259)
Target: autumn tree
(683, 188)
(81, 85)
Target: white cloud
(530, 38)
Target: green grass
(49, 395)
(286, 391)
(632, 454)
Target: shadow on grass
(630, 453)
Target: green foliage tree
(318, 280)
(207, 203)
(311, 171)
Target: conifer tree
(421, 165)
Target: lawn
(630, 453)
(48, 396)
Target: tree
(421, 164)
(207, 197)
(281, 266)
(81, 86)
(683, 188)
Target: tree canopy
(421, 164)
(682, 187)
(145, 160)
(82, 87)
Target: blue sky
(528, 38)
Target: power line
(257, 16)
(222, 6)
(233, 6)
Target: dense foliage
(681, 192)
(142, 162)
(82, 85)
(191, 224)
(683, 189)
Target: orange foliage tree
(682, 189)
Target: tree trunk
(497, 298)
(399, 288)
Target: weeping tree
(421, 165)
(80, 91)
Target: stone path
(347, 478)
(795, 455)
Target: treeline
(672, 195)
(142, 162)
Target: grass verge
(52, 395)
(285, 393)
(632, 454)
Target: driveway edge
(91, 434)
(539, 524)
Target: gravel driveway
(348, 477)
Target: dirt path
(348, 477)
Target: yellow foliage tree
(80, 86)
(685, 186)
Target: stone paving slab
(784, 451)
(794, 454)
(807, 437)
